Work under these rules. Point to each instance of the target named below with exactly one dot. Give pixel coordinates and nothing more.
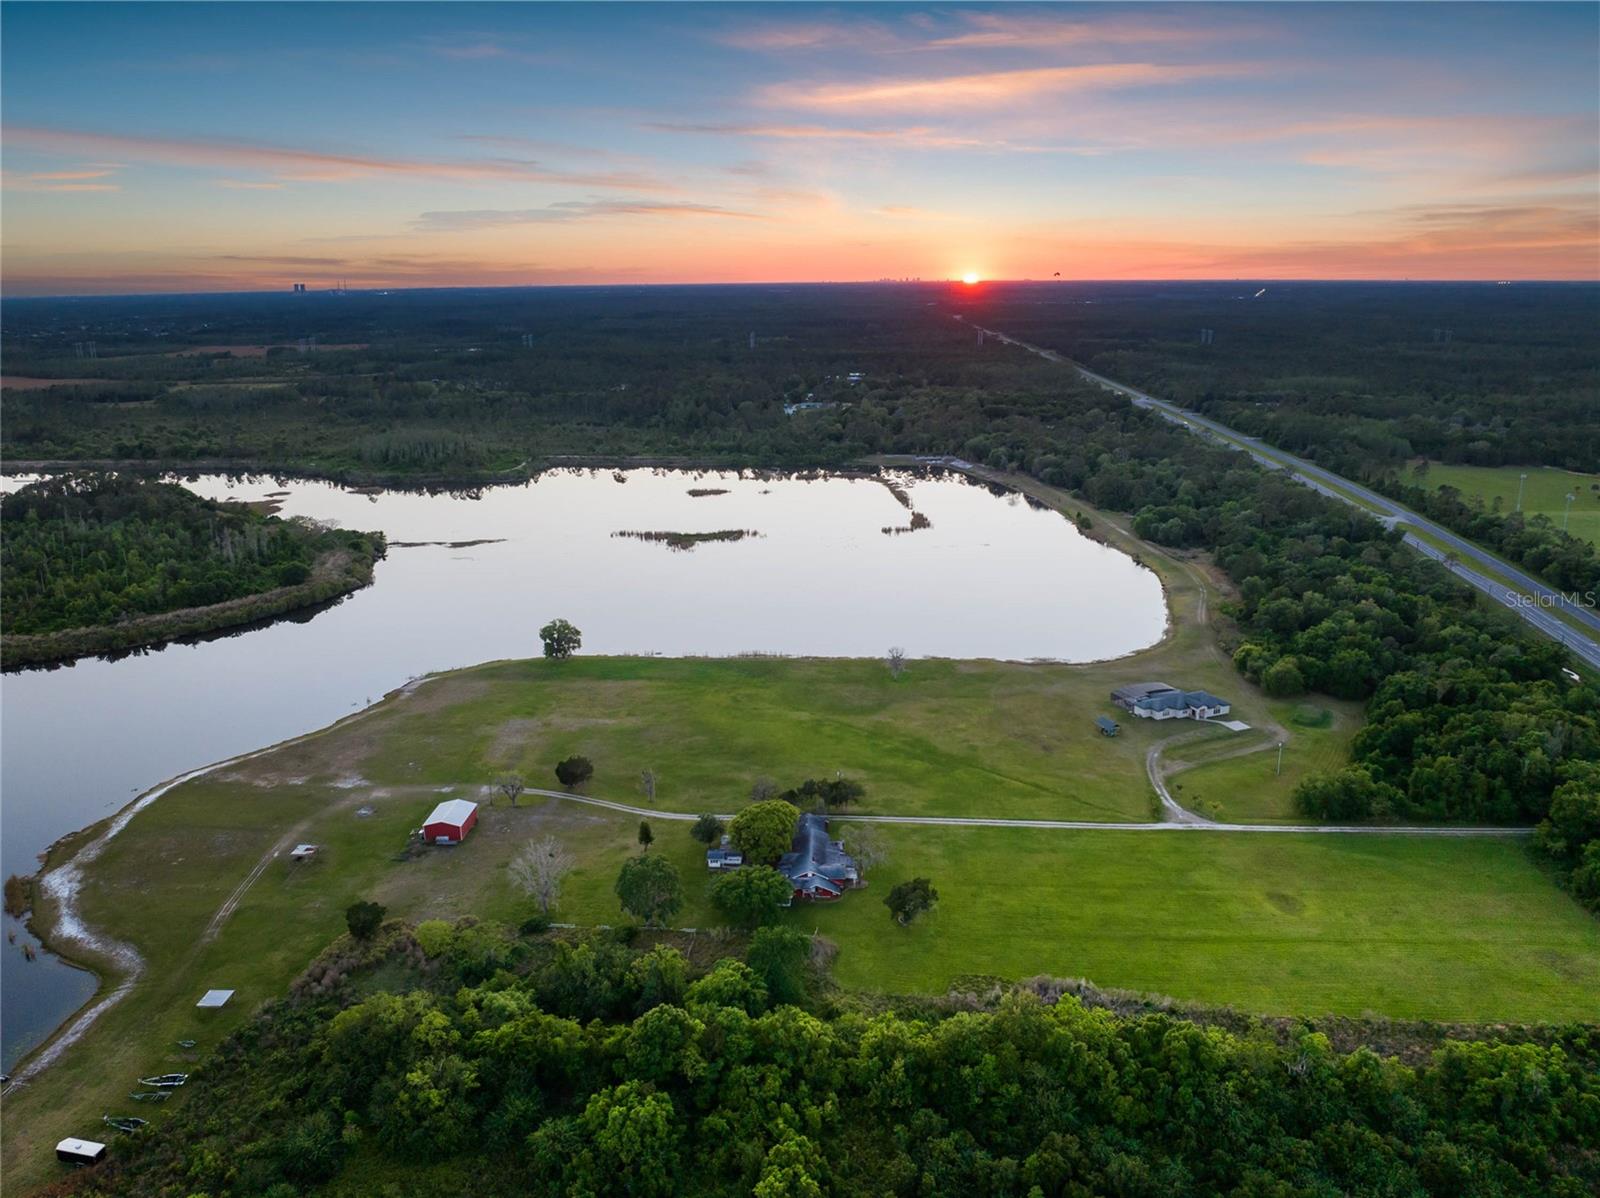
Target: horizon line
(377, 289)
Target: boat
(150, 1095)
(125, 1123)
(186, 1043)
(164, 1081)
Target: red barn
(450, 822)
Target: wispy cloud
(915, 136)
(302, 165)
(569, 211)
(87, 179)
(1030, 30)
(248, 185)
(486, 47)
(990, 88)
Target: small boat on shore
(164, 1081)
(150, 1095)
(125, 1123)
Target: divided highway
(1536, 602)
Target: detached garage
(450, 822)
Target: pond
(962, 572)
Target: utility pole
(1567, 515)
(1280, 759)
(1522, 480)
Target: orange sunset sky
(230, 147)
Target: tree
(510, 785)
(752, 896)
(647, 783)
(762, 789)
(646, 836)
(865, 843)
(1284, 680)
(763, 832)
(561, 639)
(707, 829)
(649, 888)
(896, 661)
(364, 918)
(778, 956)
(910, 899)
(834, 792)
(539, 868)
(574, 771)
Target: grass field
(1229, 783)
(1545, 492)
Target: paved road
(1530, 598)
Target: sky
(197, 147)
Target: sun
(970, 278)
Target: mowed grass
(947, 738)
(1310, 923)
(1242, 783)
(1544, 494)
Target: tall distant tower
(752, 338)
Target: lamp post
(1522, 480)
(1280, 759)
(1567, 514)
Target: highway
(1536, 602)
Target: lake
(814, 575)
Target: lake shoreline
(334, 575)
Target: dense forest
(1469, 718)
(1362, 378)
(465, 1060)
(92, 550)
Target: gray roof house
(1127, 696)
(819, 868)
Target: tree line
(454, 1059)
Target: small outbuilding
(212, 999)
(80, 1152)
(450, 822)
(1108, 727)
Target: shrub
(574, 771)
(364, 918)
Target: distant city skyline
(156, 147)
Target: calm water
(993, 577)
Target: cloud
(805, 35)
(247, 185)
(76, 180)
(993, 29)
(485, 48)
(915, 136)
(567, 212)
(300, 165)
(987, 89)
(975, 30)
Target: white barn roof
(451, 811)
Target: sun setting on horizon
(971, 277)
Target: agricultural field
(1544, 494)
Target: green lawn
(1545, 492)
(1247, 787)
(1307, 923)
